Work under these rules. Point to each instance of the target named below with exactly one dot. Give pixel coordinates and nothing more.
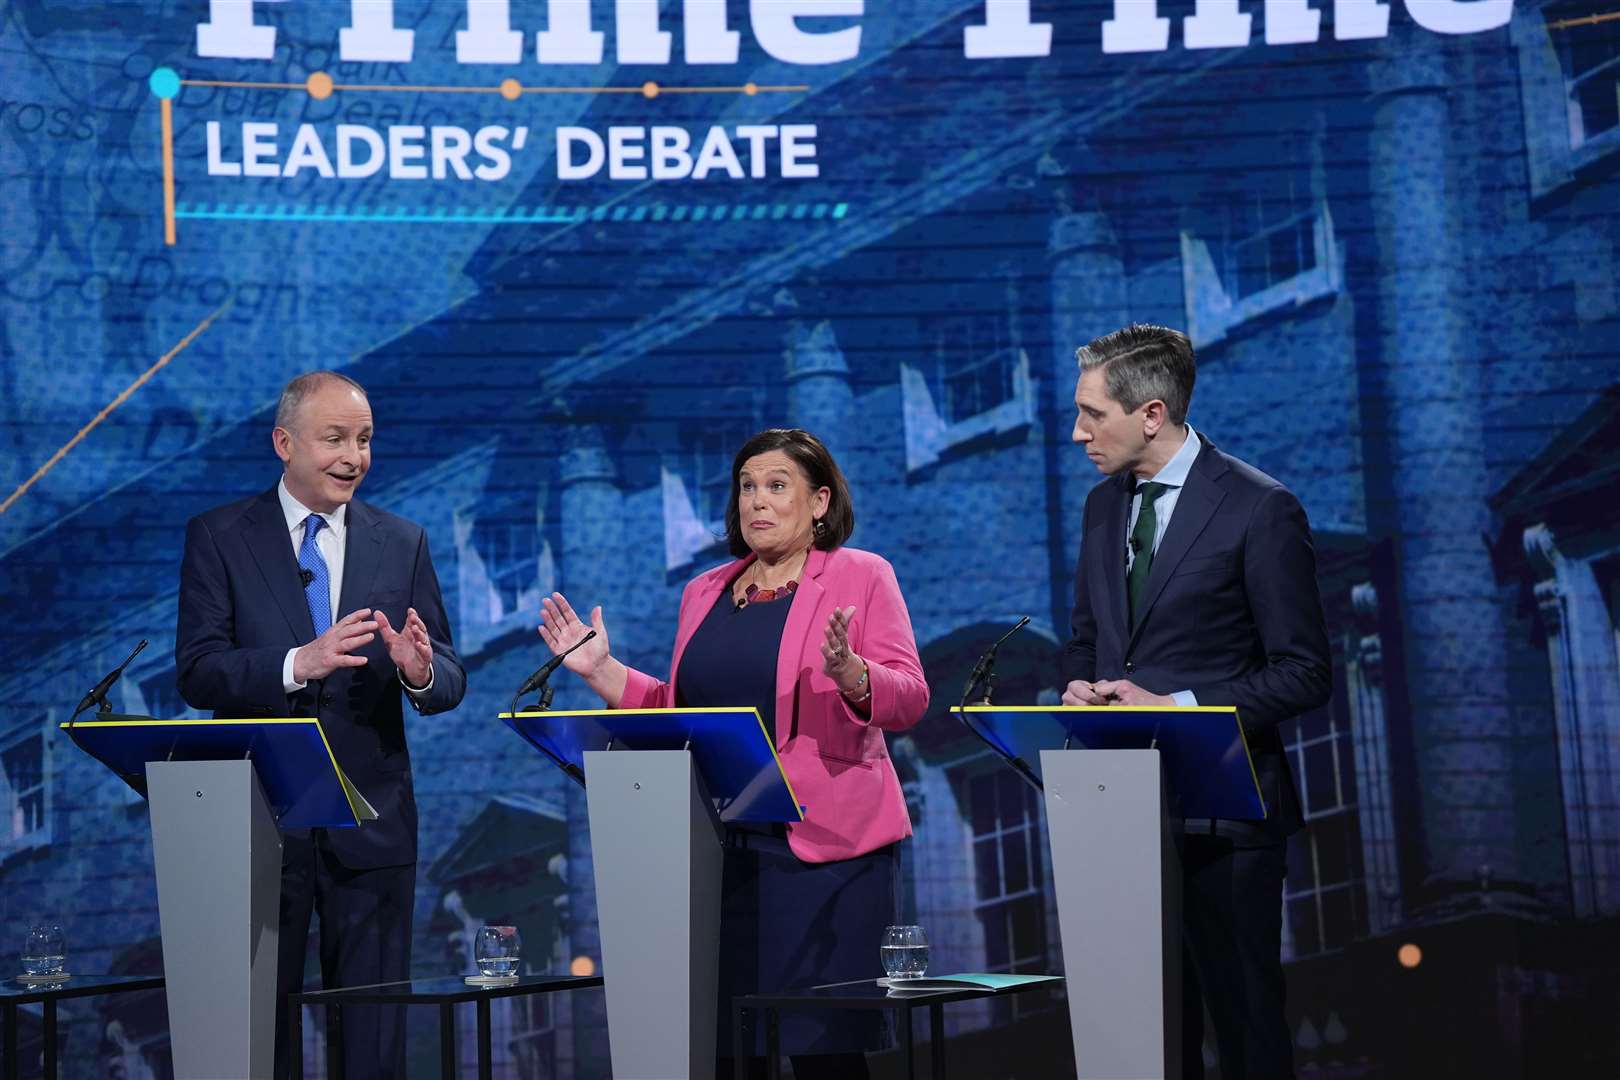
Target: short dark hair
(816, 462)
(1144, 363)
(304, 385)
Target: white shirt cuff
(417, 693)
(288, 683)
(1185, 698)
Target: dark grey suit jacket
(1232, 613)
(242, 607)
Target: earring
(821, 528)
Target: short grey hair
(1144, 363)
(299, 390)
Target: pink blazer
(834, 756)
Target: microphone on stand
(982, 671)
(535, 682)
(98, 696)
(538, 679)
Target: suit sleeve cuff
(1185, 698)
(288, 683)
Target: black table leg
(334, 1042)
(484, 1066)
(738, 1053)
(50, 1039)
(447, 1042)
(773, 1049)
(936, 1032)
(9, 1023)
(908, 1051)
(295, 1039)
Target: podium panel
(218, 856)
(656, 845)
(659, 786)
(1116, 779)
(1118, 881)
(219, 793)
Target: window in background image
(1324, 896)
(1009, 880)
(1589, 53)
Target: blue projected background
(577, 263)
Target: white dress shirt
(332, 543)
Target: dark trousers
(365, 918)
(1232, 959)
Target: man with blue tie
(262, 583)
(1197, 586)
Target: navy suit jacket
(1232, 613)
(242, 607)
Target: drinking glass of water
(497, 950)
(44, 950)
(905, 952)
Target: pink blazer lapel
(798, 644)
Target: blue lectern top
(301, 779)
(730, 748)
(1206, 757)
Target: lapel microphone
(307, 577)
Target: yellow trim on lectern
(758, 719)
(350, 793)
(1243, 737)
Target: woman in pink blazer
(816, 636)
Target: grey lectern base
(657, 849)
(218, 856)
(1118, 881)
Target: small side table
(864, 994)
(446, 993)
(14, 994)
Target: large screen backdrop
(578, 251)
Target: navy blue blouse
(731, 660)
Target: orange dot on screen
(319, 85)
(1409, 955)
(582, 965)
(511, 89)
(750, 89)
(649, 89)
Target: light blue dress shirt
(1173, 476)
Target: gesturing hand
(333, 649)
(409, 648)
(837, 662)
(560, 629)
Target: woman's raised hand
(561, 629)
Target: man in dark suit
(1197, 586)
(262, 586)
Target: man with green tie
(1197, 586)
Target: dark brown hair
(818, 466)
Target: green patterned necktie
(1147, 523)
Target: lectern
(1115, 780)
(219, 793)
(659, 786)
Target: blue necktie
(318, 592)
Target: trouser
(365, 938)
(1232, 959)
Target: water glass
(905, 952)
(497, 950)
(44, 950)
